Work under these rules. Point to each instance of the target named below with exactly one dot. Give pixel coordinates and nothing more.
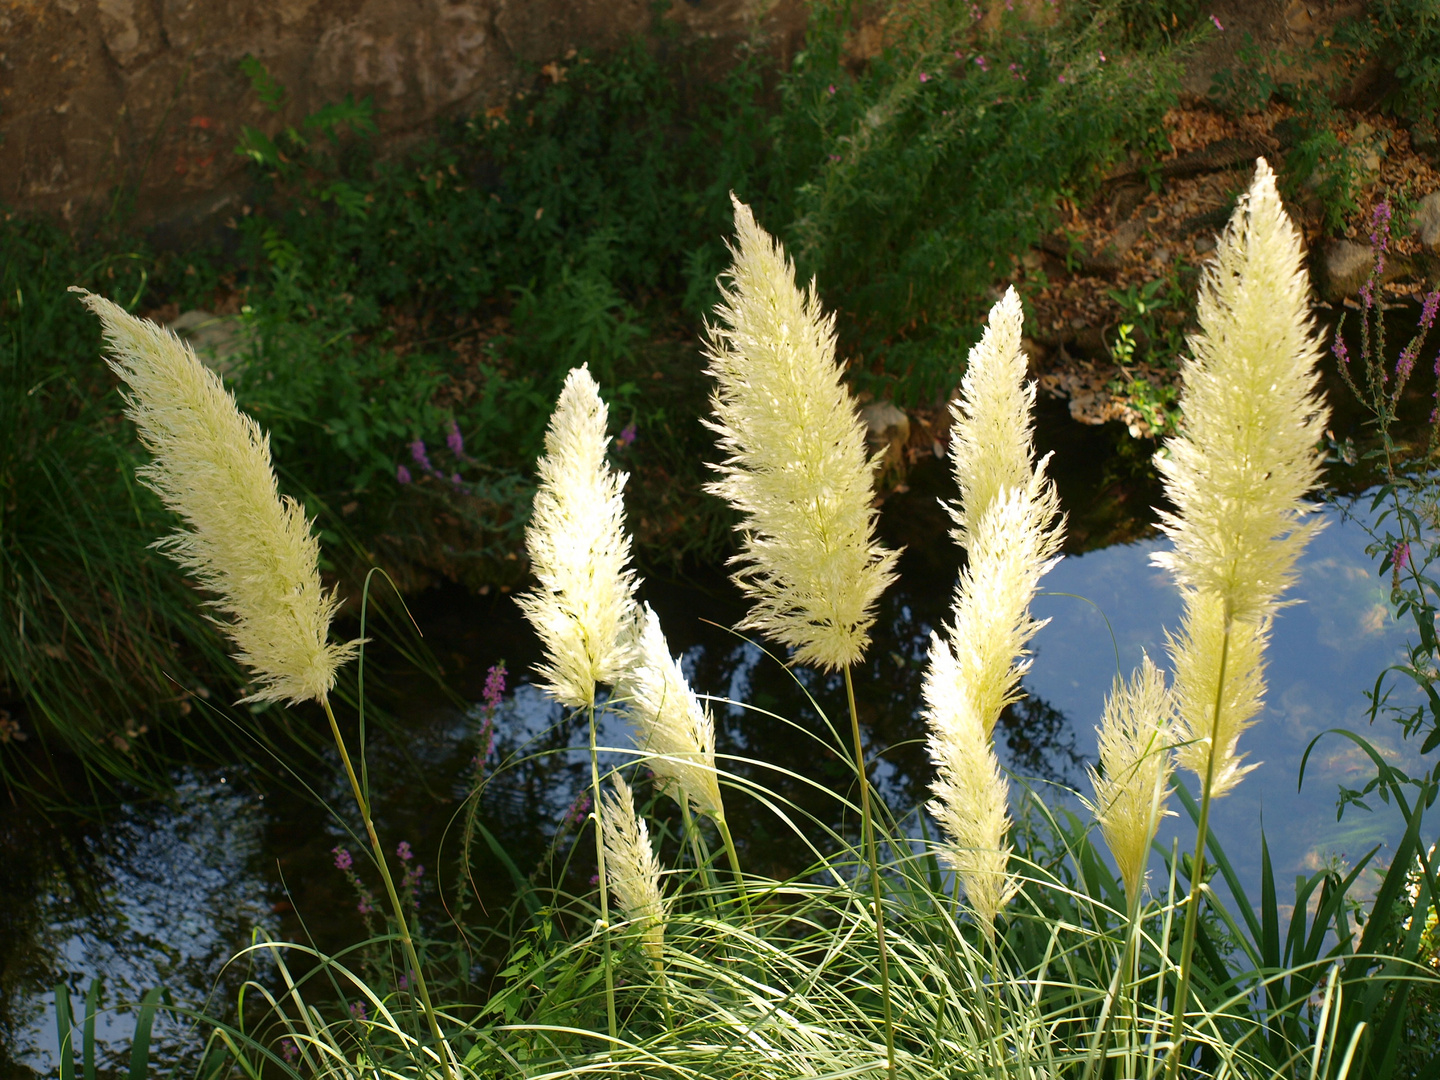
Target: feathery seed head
(242, 540)
(1013, 545)
(1135, 759)
(1201, 657)
(584, 604)
(1010, 524)
(991, 444)
(1238, 474)
(971, 794)
(796, 467)
(671, 725)
(1246, 457)
(633, 869)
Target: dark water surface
(166, 891)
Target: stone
(887, 430)
(220, 341)
(1344, 266)
(1427, 220)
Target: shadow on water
(165, 891)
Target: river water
(168, 890)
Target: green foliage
(100, 642)
(1405, 36)
(940, 161)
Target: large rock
(1427, 221)
(1344, 266)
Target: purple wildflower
(627, 434)
(982, 63)
(924, 76)
(1406, 361)
(363, 907)
(404, 851)
(342, 858)
(494, 687)
(834, 157)
(1216, 21)
(831, 88)
(455, 479)
(402, 474)
(357, 1010)
(1340, 351)
(1400, 557)
(417, 451)
(1380, 226)
(455, 440)
(578, 809)
(288, 1050)
(1428, 310)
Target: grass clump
(864, 964)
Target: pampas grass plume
(633, 869)
(584, 604)
(1009, 522)
(241, 540)
(1133, 783)
(672, 727)
(1239, 471)
(796, 467)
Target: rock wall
(147, 96)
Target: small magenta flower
(288, 1050)
(1406, 361)
(1341, 352)
(357, 1011)
(455, 479)
(627, 435)
(417, 452)
(1216, 21)
(402, 474)
(924, 76)
(363, 907)
(342, 858)
(982, 63)
(455, 440)
(1102, 58)
(831, 89)
(1428, 310)
(1400, 558)
(404, 851)
(494, 686)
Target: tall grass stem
(867, 826)
(363, 804)
(595, 812)
(1197, 876)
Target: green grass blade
(64, 1020)
(92, 1001)
(140, 1048)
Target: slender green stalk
(735, 868)
(363, 805)
(867, 826)
(1197, 875)
(702, 865)
(604, 885)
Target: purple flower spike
(1428, 310)
(404, 851)
(417, 451)
(1406, 363)
(402, 474)
(494, 686)
(455, 440)
(627, 435)
(342, 858)
(1216, 21)
(455, 479)
(1341, 353)
(1401, 556)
